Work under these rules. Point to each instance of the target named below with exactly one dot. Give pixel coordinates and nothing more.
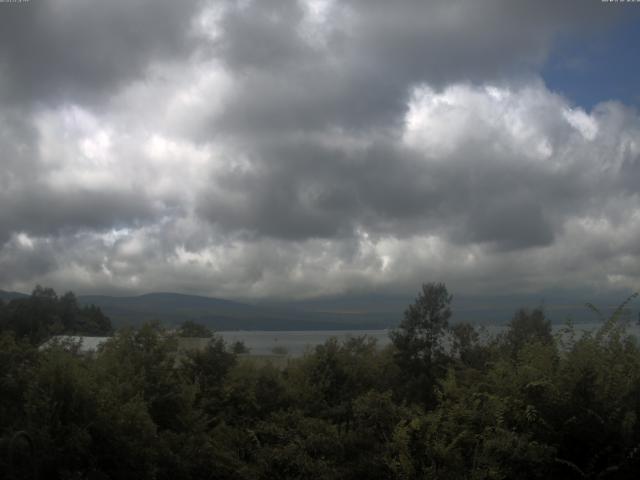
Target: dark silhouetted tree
(189, 328)
(418, 341)
(528, 326)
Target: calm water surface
(296, 343)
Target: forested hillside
(44, 313)
(438, 403)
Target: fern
(612, 322)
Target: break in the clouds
(282, 148)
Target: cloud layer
(294, 149)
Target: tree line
(44, 314)
(439, 402)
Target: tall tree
(189, 328)
(418, 341)
(528, 327)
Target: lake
(296, 343)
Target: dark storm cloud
(357, 71)
(18, 148)
(43, 211)
(19, 263)
(306, 190)
(510, 222)
(356, 75)
(263, 35)
(311, 191)
(75, 51)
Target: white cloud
(514, 122)
(585, 124)
(338, 149)
(528, 129)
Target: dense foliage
(439, 402)
(44, 313)
(189, 328)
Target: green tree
(468, 347)
(239, 347)
(43, 314)
(528, 326)
(189, 328)
(207, 370)
(419, 341)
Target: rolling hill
(173, 309)
(7, 296)
(334, 313)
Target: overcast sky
(292, 149)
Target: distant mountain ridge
(171, 309)
(219, 314)
(6, 296)
(348, 312)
